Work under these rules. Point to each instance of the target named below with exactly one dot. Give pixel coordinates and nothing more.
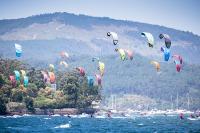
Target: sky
(177, 14)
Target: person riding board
(181, 116)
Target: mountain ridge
(102, 17)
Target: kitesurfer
(181, 116)
(192, 116)
(91, 115)
(109, 114)
(68, 116)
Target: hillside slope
(43, 37)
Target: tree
(2, 105)
(17, 95)
(32, 90)
(29, 104)
(72, 89)
(7, 90)
(2, 82)
(36, 77)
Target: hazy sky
(178, 14)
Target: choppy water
(63, 124)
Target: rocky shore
(64, 111)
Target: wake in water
(47, 118)
(68, 125)
(141, 124)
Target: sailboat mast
(171, 103)
(112, 101)
(188, 102)
(177, 100)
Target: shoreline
(91, 111)
(64, 111)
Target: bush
(16, 106)
(44, 103)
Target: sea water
(100, 124)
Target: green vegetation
(72, 90)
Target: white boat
(26, 115)
(83, 115)
(100, 116)
(56, 115)
(193, 119)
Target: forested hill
(87, 33)
(43, 37)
